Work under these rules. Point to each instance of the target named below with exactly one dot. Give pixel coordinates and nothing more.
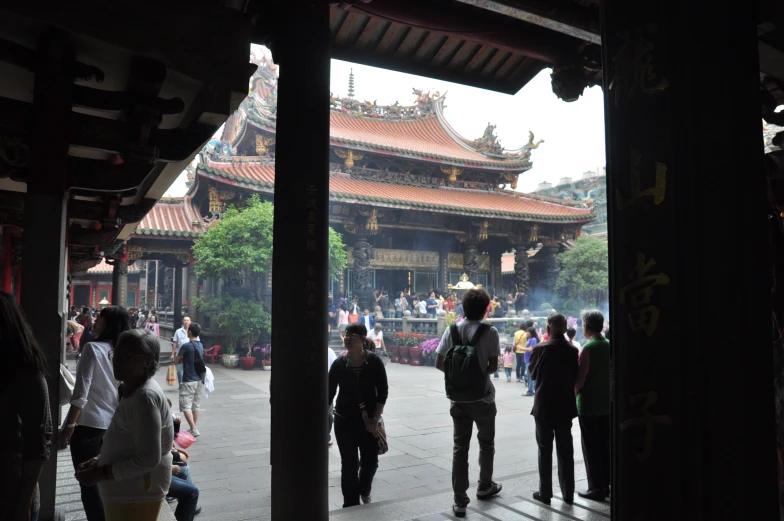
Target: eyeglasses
(355, 337)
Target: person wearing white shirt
(134, 468)
(180, 339)
(377, 336)
(422, 308)
(94, 401)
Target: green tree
(239, 248)
(584, 272)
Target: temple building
(417, 204)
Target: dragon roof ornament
(423, 107)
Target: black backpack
(464, 377)
(198, 364)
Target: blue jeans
(520, 370)
(508, 371)
(530, 381)
(187, 496)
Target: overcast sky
(573, 133)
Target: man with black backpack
(191, 356)
(468, 355)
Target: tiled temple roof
(427, 138)
(102, 268)
(171, 217)
(343, 187)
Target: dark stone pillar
(177, 276)
(550, 271)
(471, 259)
(120, 282)
(443, 269)
(363, 273)
(300, 263)
(522, 275)
(193, 287)
(43, 260)
(682, 115)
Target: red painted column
(7, 268)
(91, 298)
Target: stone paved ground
(230, 461)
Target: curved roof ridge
(450, 130)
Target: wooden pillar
(682, 116)
(177, 276)
(7, 264)
(300, 266)
(44, 233)
(120, 280)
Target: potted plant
(230, 360)
(429, 351)
(405, 346)
(416, 354)
(394, 347)
(266, 355)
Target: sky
(573, 133)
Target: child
(509, 357)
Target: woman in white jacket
(134, 468)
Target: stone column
(443, 269)
(471, 259)
(363, 273)
(43, 240)
(522, 275)
(546, 286)
(300, 263)
(177, 283)
(120, 281)
(193, 285)
(682, 116)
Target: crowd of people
(567, 380)
(119, 426)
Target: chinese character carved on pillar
(522, 274)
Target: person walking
(520, 338)
(472, 395)
(530, 344)
(94, 401)
(593, 406)
(134, 468)
(152, 325)
(362, 380)
(192, 382)
(509, 360)
(26, 432)
(553, 366)
(342, 320)
(179, 339)
(331, 357)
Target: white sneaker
(365, 500)
(194, 432)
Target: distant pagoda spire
(351, 84)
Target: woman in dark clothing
(362, 379)
(25, 435)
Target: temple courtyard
(230, 460)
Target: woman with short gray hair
(133, 471)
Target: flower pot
(416, 355)
(394, 353)
(248, 362)
(266, 363)
(230, 361)
(404, 350)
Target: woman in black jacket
(362, 379)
